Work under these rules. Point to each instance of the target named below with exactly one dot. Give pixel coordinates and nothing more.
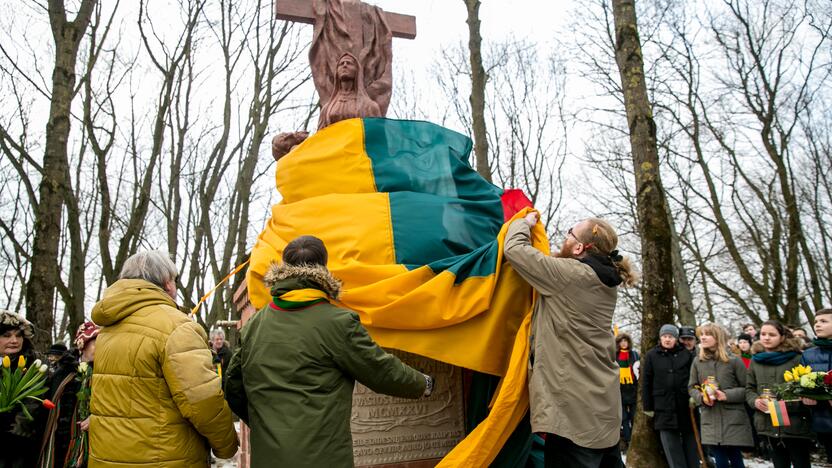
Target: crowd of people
(708, 395)
(143, 383)
(160, 384)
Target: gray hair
(218, 332)
(154, 266)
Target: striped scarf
(299, 298)
(625, 371)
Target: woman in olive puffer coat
(156, 399)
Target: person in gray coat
(725, 425)
(573, 375)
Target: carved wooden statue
(351, 58)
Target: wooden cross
(301, 11)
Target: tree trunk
(653, 222)
(44, 276)
(478, 79)
(684, 298)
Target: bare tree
(139, 160)
(739, 131)
(651, 203)
(526, 116)
(55, 183)
(478, 83)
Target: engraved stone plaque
(388, 430)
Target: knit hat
(669, 329)
(12, 321)
(86, 332)
(746, 337)
(57, 349)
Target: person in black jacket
(665, 371)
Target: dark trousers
(790, 452)
(561, 452)
(825, 439)
(680, 447)
(727, 457)
(628, 412)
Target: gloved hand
(649, 414)
(428, 385)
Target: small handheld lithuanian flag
(779, 415)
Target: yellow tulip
(806, 370)
(787, 376)
(7, 362)
(21, 362)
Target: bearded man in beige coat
(573, 374)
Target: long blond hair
(720, 353)
(603, 240)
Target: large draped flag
(416, 236)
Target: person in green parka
(291, 380)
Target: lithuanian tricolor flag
(778, 412)
(416, 236)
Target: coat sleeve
(195, 387)
(547, 275)
(647, 383)
(379, 370)
(694, 380)
(751, 394)
(235, 391)
(737, 394)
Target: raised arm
(544, 273)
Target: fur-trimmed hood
(319, 275)
(789, 344)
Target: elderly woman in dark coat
(19, 436)
(665, 370)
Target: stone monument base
(398, 432)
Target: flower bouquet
(21, 384)
(801, 382)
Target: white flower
(43, 368)
(83, 367)
(37, 363)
